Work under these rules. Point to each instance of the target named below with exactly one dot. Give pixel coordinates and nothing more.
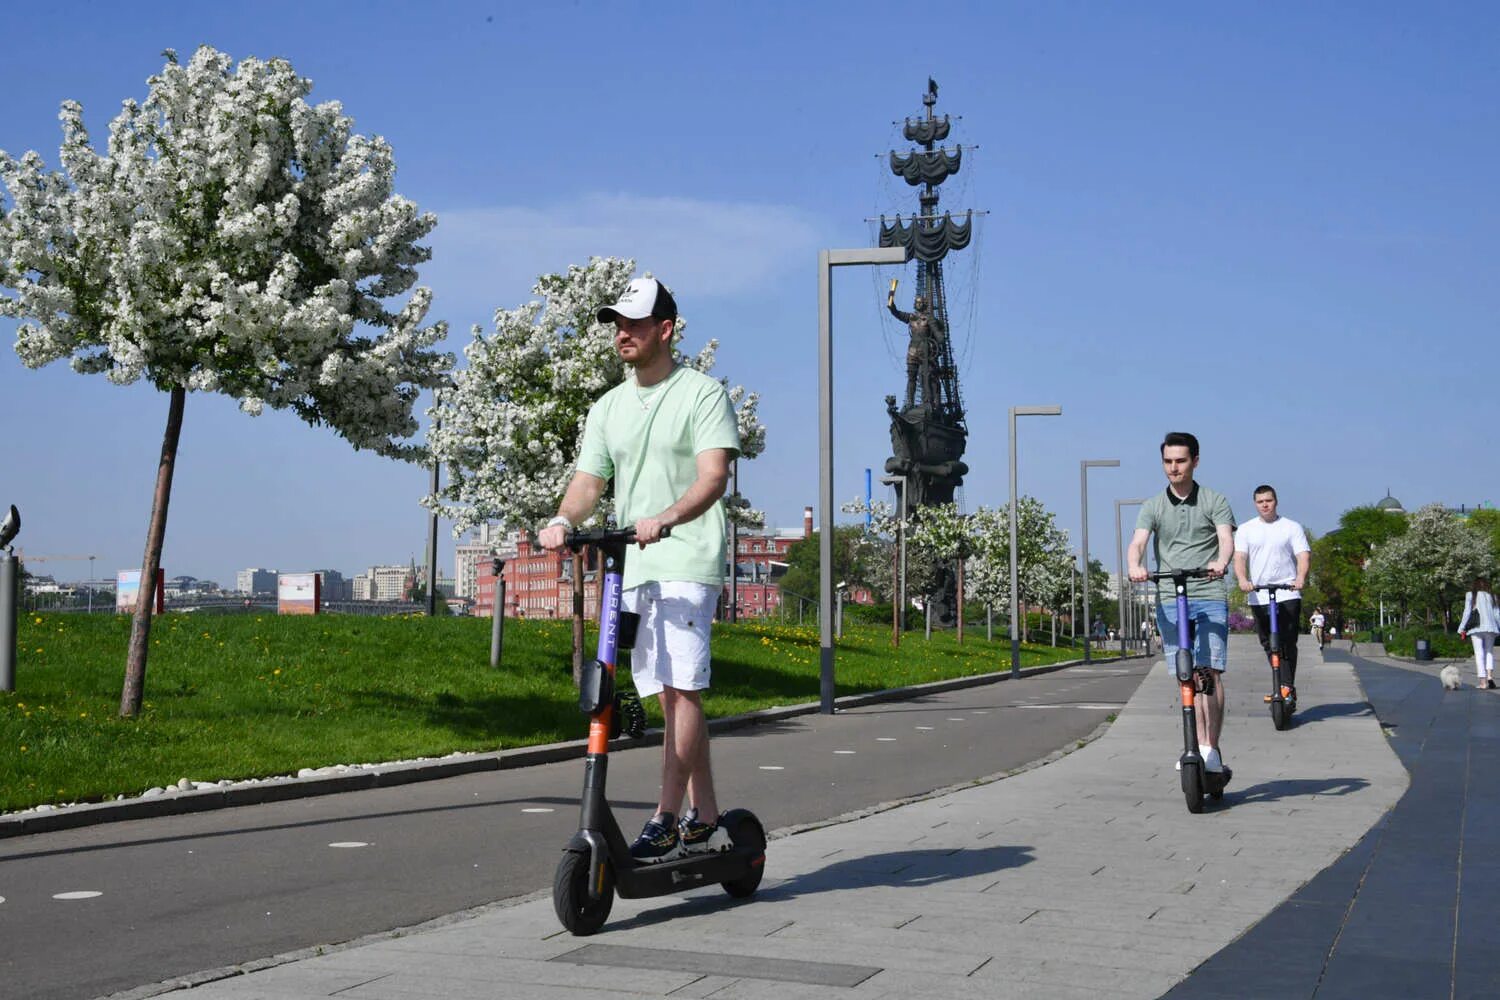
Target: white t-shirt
(1272, 549)
(1316, 621)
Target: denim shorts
(1210, 637)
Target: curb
(392, 775)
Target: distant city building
(388, 583)
(468, 556)
(362, 587)
(759, 560)
(189, 586)
(332, 585)
(538, 583)
(256, 582)
(1390, 504)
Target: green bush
(1403, 642)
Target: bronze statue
(926, 335)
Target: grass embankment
(246, 696)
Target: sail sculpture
(928, 433)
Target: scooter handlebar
(577, 539)
(1172, 575)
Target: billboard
(298, 594)
(128, 590)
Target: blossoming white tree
(232, 238)
(1041, 553)
(509, 426)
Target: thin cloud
(489, 257)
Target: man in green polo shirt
(1194, 528)
(666, 436)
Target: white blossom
(232, 238)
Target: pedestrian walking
(1479, 603)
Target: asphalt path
(89, 912)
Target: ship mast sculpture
(928, 432)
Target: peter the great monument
(928, 432)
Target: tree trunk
(578, 560)
(140, 628)
(960, 601)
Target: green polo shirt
(647, 441)
(1186, 537)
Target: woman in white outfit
(1480, 603)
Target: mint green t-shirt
(1187, 537)
(648, 441)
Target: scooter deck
(638, 881)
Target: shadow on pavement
(900, 869)
(1334, 711)
(1291, 788)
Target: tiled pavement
(1413, 911)
(1083, 878)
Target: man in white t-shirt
(1268, 550)
(1315, 622)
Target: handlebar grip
(576, 539)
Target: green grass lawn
(247, 696)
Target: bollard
(497, 623)
(10, 578)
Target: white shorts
(671, 647)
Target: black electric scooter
(1282, 698)
(1196, 781)
(596, 863)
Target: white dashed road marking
(1089, 705)
(79, 894)
(349, 843)
(844, 751)
(927, 729)
(772, 767)
(885, 739)
(537, 809)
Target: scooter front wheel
(1192, 787)
(1281, 714)
(750, 840)
(581, 913)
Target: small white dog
(1451, 678)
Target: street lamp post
(1123, 579)
(1015, 574)
(827, 261)
(91, 584)
(1083, 487)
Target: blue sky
(1275, 226)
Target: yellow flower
(36, 621)
(276, 671)
(23, 748)
(83, 715)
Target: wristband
(560, 520)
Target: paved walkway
(1084, 878)
(1413, 911)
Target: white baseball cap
(642, 297)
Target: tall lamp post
(1120, 562)
(1015, 572)
(1083, 488)
(827, 261)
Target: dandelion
(276, 671)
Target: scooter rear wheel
(580, 913)
(749, 838)
(1192, 787)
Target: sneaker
(1489, 683)
(1211, 760)
(702, 838)
(658, 840)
